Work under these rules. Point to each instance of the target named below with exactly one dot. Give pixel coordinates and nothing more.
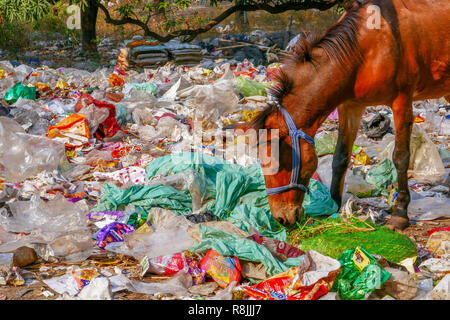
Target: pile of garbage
(105, 188)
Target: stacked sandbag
(145, 53)
(184, 53)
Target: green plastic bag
(121, 115)
(360, 275)
(20, 91)
(318, 201)
(443, 153)
(145, 197)
(238, 193)
(228, 244)
(138, 218)
(383, 175)
(250, 88)
(148, 87)
(326, 143)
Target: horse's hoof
(397, 223)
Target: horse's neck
(331, 86)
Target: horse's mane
(339, 43)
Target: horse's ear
(353, 4)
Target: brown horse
(353, 66)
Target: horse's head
(286, 204)
(305, 91)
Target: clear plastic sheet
(58, 223)
(207, 101)
(189, 180)
(177, 285)
(23, 155)
(94, 116)
(429, 208)
(425, 162)
(168, 235)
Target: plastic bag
(177, 285)
(313, 278)
(377, 127)
(73, 130)
(167, 265)
(147, 87)
(223, 270)
(240, 192)
(189, 180)
(94, 116)
(250, 88)
(429, 208)
(425, 162)
(57, 215)
(324, 170)
(23, 155)
(113, 232)
(437, 242)
(30, 120)
(401, 285)
(20, 91)
(356, 185)
(209, 102)
(325, 143)
(360, 275)
(163, 234)
(382, 175)
(84, 276)
(318, 201)
(171, 94)
(442, 290)
(228, 244)
(58, 224)
(279, 249)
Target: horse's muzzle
(286, 214)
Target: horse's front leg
(403, 120)
(349, 119)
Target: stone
(24, 256)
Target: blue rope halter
(295, 134)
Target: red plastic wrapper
(168, 265)
(279, 249)
(84, 276)
(313, 278)
(438, 229)
(107, 128)
(172, 264)
(223, 270)
(278, 288)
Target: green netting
(333, 241)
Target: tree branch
(254, 6)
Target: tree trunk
(240, 19)
(88, 23)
